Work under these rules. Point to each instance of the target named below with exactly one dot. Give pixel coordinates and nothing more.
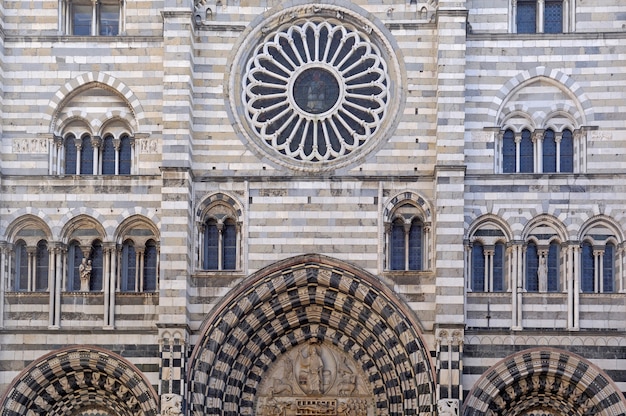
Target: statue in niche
(542, 273)
(84, 271)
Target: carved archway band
(78, 379)
(310, 299)
(544, 380)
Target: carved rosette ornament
(314, 379)
(319, 87)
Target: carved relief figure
(448, 407)
(312, 369)
(347, 379)
(85, 274)
(171, 405)
(282, 385)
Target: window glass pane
(532, 266)
(498, 268)
(70, 155)
(587, 268)
(81, 19)
(108, 156)
(549, 151)
(211, 239)
(526, 18)
(129, 267)
(21, 267)
(109, 19)
(567, 152)
(230, 246)
(607, 273)
(415, 246)
(526, 152)
(150, 267)
(396, 249)
(86, 157)
(96, 263)
(478, 268)
(553, 267)
(553, 17)
(125, 155)
(41, 274)
(508, 152)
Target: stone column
(449, 365)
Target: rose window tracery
(316, 90)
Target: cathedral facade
(297, 208)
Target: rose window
(315, 91)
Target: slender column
(94, 16)
(238, 246)
(576, 287)
(137, 288)
(540, 15)
(513, 15)
(597, 271)
(4, 273)
(520, 284)
(60, 274)
(511, 277)
(106, 284)
(60, 155)
(518, 141)
(427, 250)
(32, 259)
(467, 261)
(51, 155)
(488, 282)
(51, 286)
(566, 16)
(220, 244)
(141, 257)
(537, 139)
(96, 143)
(387, 245)
(599, 255)
(116, 145)
(558, 137)
(79, 155)
(569, 279)
(407, 229)
(201, 230)
(133, 165)
(112, 286)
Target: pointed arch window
(220, 245)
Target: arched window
(553, 267)
(74, 259)
(498, 267)
(85, 18)
(588, 269)
(567, 151)
(527, 163)
(125, 155)
(532, 267)
(108, 156)
(150, 267)
(508, 152)
(608, 265)
(42, 262)
(128, 281)
(405, 247)
(96, 266)
(70, 155)
(549, 151)
(220, 245)
(21, 267)
(478, 267)
(86, 156)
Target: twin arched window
(546, 152)
(112, 156)
(598, 268)
(542, 268)
(219, 251)
(405, 245)
(31, 267)
(488, 270)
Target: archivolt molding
(544, 378)
(584, 112)
(310, 299)
(80, 378)
(85, 82)
(414, 198)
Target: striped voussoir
(312, 298)
(77, 379)
(545, 379)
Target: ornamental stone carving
(314, 379)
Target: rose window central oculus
(315, 91)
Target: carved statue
(171, 405)
(448, 407)
(85, 274)
(312, 368)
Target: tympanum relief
(314, 379)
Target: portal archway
(82, 381)
(345, 339)
(544, 381)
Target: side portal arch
(343, 337)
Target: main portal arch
(311, 336)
